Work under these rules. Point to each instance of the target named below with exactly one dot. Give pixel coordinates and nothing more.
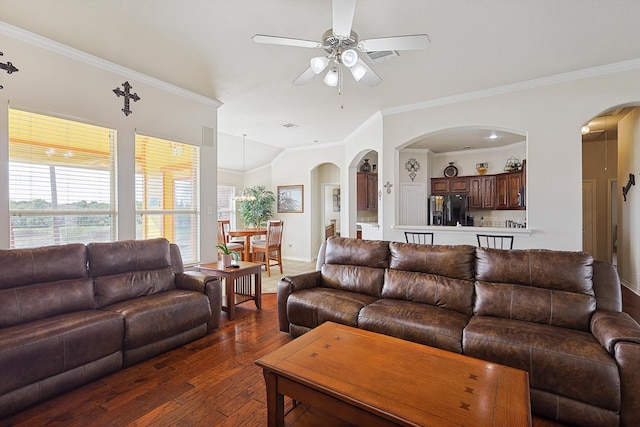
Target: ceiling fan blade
(303, 78)
(371, 78)
(343, 11)
(286, 41)
(414, 42)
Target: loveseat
(555, 314)
(70, 314)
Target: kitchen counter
(465, 229)
(370, 230)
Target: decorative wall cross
(126, 93)
(8, 66)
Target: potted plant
(227, 254)
(256, 212)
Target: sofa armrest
(611, 327)
(210, 286)
(288, 285)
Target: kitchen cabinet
(510, 190)
(455, 185)
(482, 192)
(367, 188)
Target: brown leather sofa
(73, 313)
(555, 314)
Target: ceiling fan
(342, 46)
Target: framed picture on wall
(290, 199)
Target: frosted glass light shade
(358, 72)
(331, 79)
(349, 58)
(319, 63)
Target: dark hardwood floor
(210, 382)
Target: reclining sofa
(73, 313)
(555, 314)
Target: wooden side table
(237, 281)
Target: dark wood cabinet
(455, 185)
(510, 190)
(367, 188)
(482, 192)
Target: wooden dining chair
(235, 246)
(494, 241)
(420, 238)
(271, 248)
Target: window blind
(61, 181)
(167, 196)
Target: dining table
(247, 233)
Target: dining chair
(494, 241)
(420, 238)
(271, 248)
(232, 245)
(329, 230)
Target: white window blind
(61, 181)
(167, 196)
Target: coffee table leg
(275, 401)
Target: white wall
(629, 211)
(57, 80)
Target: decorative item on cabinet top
(482, 168)
(450, 171)
(412, 166)
(366, 166)
(513, 164)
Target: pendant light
(243, 196)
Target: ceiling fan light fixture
(319, 63)
(358, 71)
(349, 58)
(331, 79)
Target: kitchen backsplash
(493, 218)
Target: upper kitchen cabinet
(510, 189)
(367, 191)
(482, 192)
(457, 185)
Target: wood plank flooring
(210, 382)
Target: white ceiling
(206, 47)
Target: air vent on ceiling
(383, 55)
(290, 125)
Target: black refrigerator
(448, 209)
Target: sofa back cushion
(130, 269)
(440, 291)
(43, 282)
(455, 261)
(40, 265)
(355, 265)
(536, 285)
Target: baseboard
(630, 286)
(290, 258)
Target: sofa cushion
(39, 265)
(47, 347)
(106, 259)
(412, 321)
(156, 317)
(455, 261)
(366, 253)
(352, 278)
(444, 292)
(561, 361)
(543, 286)
(121, 287)
(314, 306)
(28, 303)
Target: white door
(413, 204)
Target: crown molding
(603, 70)
(78, 55)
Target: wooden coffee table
(370, 379)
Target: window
(61, 181)
(167, 202)
(226, 204)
